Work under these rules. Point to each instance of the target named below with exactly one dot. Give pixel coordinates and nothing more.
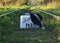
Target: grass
(7, 9)
(11, 32)
(53, 10)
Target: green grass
(7, 9)
(55, 11)
(1, 42)
(11, 32)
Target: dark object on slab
(37, 19)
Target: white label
(25, 22)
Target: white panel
(25, 22)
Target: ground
(10, 31)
